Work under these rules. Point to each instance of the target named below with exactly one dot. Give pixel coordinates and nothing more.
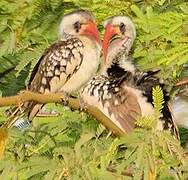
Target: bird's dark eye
(122, 27)
(77, 26)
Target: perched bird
(122, 92)
(70, 62)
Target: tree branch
(182, 82)
(24, 96)
(73, 103)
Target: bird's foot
(65, 100)
(82, 103)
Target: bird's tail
(170, 122)
(13, 114)
(26, 111)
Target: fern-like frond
(158, 100)
(147, 122)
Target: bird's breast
(88, 67)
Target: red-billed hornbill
(122, 92)
(70, 62)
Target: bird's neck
(126, 62)
(115, 71)
(64, 35)
(120, 65)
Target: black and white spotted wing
(115, 99)
(59, 62)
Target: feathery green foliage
(158, 100)
(150, 122)
(72, 146)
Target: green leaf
(158, 99)
(137, 11)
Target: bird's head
(119, 36)
(79, 23)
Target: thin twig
(184, 81)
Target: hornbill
(122, 91)
(68, 63)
